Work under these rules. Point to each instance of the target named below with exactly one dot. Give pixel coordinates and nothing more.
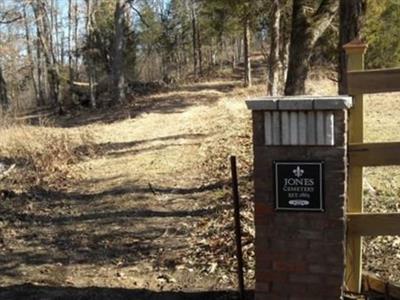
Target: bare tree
(32, 65)
(194, 39)
(76, 26)
(273, 61)
(284, 41)
(44, 36)
(70, 67)
(199, 49)
(117, 74)
(4, 100)
(308, 25)
(90, 67)
(246, 50)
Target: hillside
(137, 197)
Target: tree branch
(14, 17)
(138, 13)
(322, 18)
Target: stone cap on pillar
(300, 103)
(298, 120)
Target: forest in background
(137, 196)
(66, 53)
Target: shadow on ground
(126, 148)
(93, 234)
(168, 102)
(32, 292)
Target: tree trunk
(306, 30)
(31, 59)
(51, 24)
(273, 65)
(351, 13)
(44, 33)
(247, 60)
(194, 41)
(284, 50)
(118, 78)
(76, 25)
(70, 66)
(4, 100)
(239, 49)
(199, 50)
(41, 73)
(234, 55)
(89, 62)
(56, 43)
(62, 49)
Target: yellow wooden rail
(373, 81)
(362, 155)
(372, 283)
(355, 61)
(374, 154)
(374, 224)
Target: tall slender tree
(70, 38)
(273, 61)
(194, 38)
(90, 67)
(32, 64)
(117, 74)
(246, 46)
(4, 100)
(44, 36)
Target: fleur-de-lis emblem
(298, 172)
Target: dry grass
(44, 156)
(183, 146)
(382, 184)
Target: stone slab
(300, 103)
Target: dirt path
(131, 220)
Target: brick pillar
(300, 229)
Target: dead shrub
(44, 156)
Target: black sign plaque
(299, 186)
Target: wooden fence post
(355, 51)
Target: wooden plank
(374, 154)
(372, 283)
(373, 224)
(373, 81)
(355, 62)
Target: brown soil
(144, 221)
(133, 222)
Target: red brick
(263, 286)
(305, 278)
(271, 276)
(289, 266)
(289, 288)
(269, 296)
(300, 255)
(263, 209)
